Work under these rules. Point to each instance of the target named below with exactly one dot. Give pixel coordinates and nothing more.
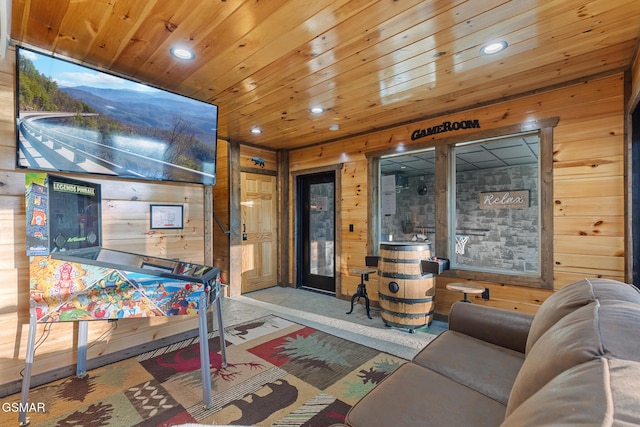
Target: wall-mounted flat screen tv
(71, 118)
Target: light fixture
(493, 47)
(316, 110)
(256, 130)
(334, 126)
(182, 53)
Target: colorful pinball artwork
(37, 218)
(69, 291)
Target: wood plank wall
(247, 163)
(588, 186)
(125, 214)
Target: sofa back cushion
(574, 296)
(595, 330)
(601, 392)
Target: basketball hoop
(461, 241)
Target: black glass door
(316, 212)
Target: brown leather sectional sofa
(577, 362)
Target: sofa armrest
(505, 328)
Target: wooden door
(259, 232)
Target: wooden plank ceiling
(370, 64)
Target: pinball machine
(74, 279)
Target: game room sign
(445, 126)
(505, 200)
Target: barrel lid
(406, 246)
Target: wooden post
(235, 220)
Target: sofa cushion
(574, 296)
(601, 392)
(589, 332)
(506, 328)
(484, 367)
(414, 396)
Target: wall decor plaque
(505, 200)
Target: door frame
(275, 241)
(337, 169)
(632, 201)
(632, 183)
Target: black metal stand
(361, 292)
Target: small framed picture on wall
(167, 217)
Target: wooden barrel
(406, 295)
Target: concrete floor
(328, 313)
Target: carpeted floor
(279, 373)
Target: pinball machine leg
(205, 363)
(83, 333)
(223, 349)
(26, 380)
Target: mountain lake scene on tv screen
(75, 119)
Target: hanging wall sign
(505, 200)
(445, 127)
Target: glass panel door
(317, 223)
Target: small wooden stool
(465, 288)
(362, 288)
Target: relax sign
(505, 199)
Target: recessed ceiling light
(256, 130)
(334, 126)
(493, 48)
(316, 110)
(182, 53)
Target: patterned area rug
(279, 373)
